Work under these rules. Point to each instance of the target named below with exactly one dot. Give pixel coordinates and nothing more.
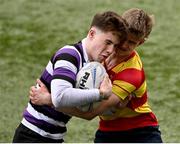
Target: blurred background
(32, 30)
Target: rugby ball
(90, 76)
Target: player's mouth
(104, 56)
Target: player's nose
(110, 49)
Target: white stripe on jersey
(42, 132)
(65, 64)
(49, 68)
(41, 116)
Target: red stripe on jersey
(121, 124)
(110, 72)
(131, 75)
(136, 102)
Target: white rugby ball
(90, 76)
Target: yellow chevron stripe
(141, 90)
(143, 109)
(119, 92)
(134, 62)
(124, 85)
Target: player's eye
(108, 42)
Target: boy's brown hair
(110, 21)
(139, 22)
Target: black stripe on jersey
(51, 113)
(63, 77)
(67, 57)
(46, 84)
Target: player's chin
(101, 59)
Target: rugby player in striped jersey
(42, 122)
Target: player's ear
(142, 41)
(91, 32)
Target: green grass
(32, 30)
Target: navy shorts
(25, 135)
(149, 134)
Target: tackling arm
(42, 96)
(105, 105)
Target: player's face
(129, 45)
(103, 45)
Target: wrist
(101, 95)
(48, 100)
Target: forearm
(73, 111)
(63, 95)
(104, 108)
(75, 97)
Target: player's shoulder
(131, 71)
(132, 76)
(69, 50)
(133, 62)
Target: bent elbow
(89, 117)
(55, 103)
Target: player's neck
(114, 60)
(121, 58)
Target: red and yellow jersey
(128, 77)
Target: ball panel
(90, 76)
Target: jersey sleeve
(127, 81)
(66, 63)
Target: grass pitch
(31, 31)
